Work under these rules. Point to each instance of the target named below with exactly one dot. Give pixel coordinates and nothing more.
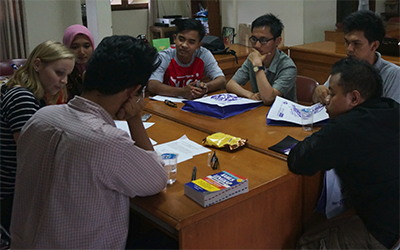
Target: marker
(194, 173)
(14, 66)
(169, 103)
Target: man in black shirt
(361, 142)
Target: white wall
(174, 7)
(305, 20)
(380, 6)
(319, 15)
(47, 19)
(129, 22)
(99, 20)
(289, 11)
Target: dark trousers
(343, 233)
(6, 208)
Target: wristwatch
(258, 68)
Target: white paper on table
(285, 110)
(184, 147)
(225, 99)
(124, 126)
(169, 98)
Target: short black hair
(119, 63)
(368, 22)
(190, 24)
(270, 20)
(357, 74)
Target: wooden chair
(305, 87)
(394, 20)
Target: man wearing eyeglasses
(363, 34)
(271, 72)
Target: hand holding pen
(200, 89)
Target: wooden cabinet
(214, 15)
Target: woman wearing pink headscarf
(79, 40)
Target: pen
(14, 66)
(198, 85)
(194, 173)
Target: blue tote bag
(220, 106)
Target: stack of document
(284, 112)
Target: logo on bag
(225, 98)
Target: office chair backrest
(305, 87)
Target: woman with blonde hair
(37, 83)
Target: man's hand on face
(256, 58)
(322, 93)
(131, 108)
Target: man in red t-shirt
(183, 68)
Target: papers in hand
(285, 112)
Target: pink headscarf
(69, 36)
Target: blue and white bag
(221, 106)
(334, 198)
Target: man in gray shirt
(270, 71)
(363, 33)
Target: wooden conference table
(273, 213)
(268, 216)
(315, 60)
(249, 125)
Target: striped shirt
(76, 172)
(17, 105)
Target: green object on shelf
(161, 44)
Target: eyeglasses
(262, 40)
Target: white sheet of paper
(124, 126)
(184, 147)
(285, 110)
(225, 99)
(169, 98)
